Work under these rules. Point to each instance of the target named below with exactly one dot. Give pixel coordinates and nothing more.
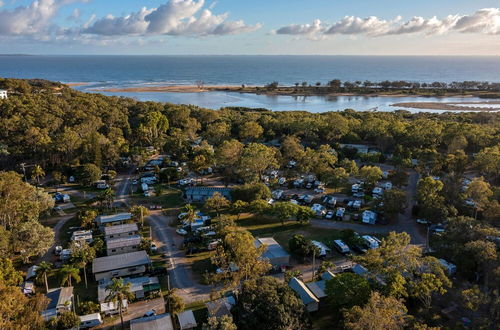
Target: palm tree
(43, 270)
(68, 272)
(118, 291)
(107, 197)
(37, 173)
(190, 215)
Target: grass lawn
(201, 264)
(261, 226)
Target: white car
(154, 248)
(181, 232)
(329, 215)
(423, 221)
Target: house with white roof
(155, 322)
(139, 286)
(186, 320)
(3, 94)
(60, 301)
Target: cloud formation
(176, 17)
(485, 21)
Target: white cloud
(28, 20)
(484, 21)
(176, 17)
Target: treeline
(72, 128)
(336, 85)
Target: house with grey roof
(120, 265)
(60, 301)
(112, 220)
(201, 194)
(125, 230)
(187, 320)
(308, 298)
(155, 322)
(220, 307)
(275, 253)
(122, 245)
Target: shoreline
(451, 106)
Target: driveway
(49, 256)
(135, 311)
(181, 275)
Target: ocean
(130, 71)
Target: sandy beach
(171, 89)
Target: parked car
(329, 215)
(423, 221)
(149, 313)
(437, 229)
(154, 248)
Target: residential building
(308, 298)
(60, 300)
(139, 286)
(201, 194)
(112, 220)
(110, 308)
(220, 307)
(275, 253)
(186, 320)
(90, 320)
(122, 245)
(3, 94)
(120, 265)
(125, 230)
(155, 322)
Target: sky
(250, 27)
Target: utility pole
(314, 262)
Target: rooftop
(59, 296)
(274, 250)
(103, 219)
(220, 307)
(136, 284)
(208, 190)
(156, 322)
(119, 261)
(317, 288)
(304, 293)
(187, 320)
(113, 243)
(120, 229)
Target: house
(220, 307)
(112, 220)
(122, 245)
(359, 270)
(307, 297)
(110, 308)
(328, 275)
(201, 194)
(125, 230)
(369, 217)
(90, 320)
(276, 255)
(155, 322)
(3, 94)
(120, 265)
(186, 320)
(318, 289)
(82, 235)
(60, 300)
(139, 286)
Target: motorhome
(341, 246)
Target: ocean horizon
(99, 72)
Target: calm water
(123, 71)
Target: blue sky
(326, 27)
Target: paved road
(405, 221)
(49, 256)
(181, 275)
